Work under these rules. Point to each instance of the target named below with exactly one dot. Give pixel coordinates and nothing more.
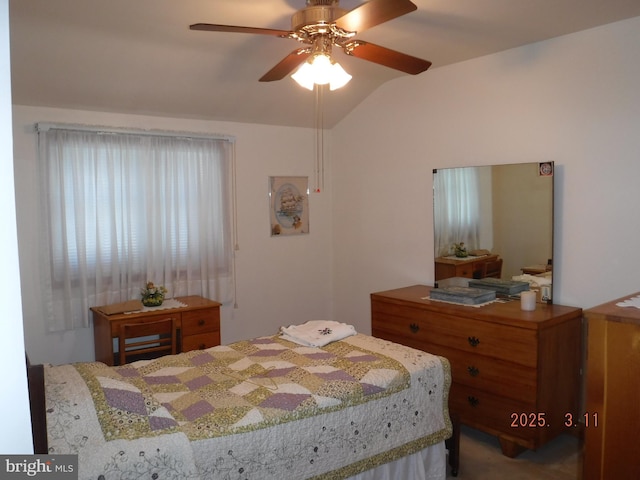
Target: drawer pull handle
(473, 341)
(201, 322)
(473, 371)
(414, 327)
(473, 401)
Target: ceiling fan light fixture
(339, 77)
(304, 76)
(320, 70)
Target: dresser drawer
(419, 326)
(400, 336)
(496, 414)
(200, 321)
(201, 341)
(488, 374)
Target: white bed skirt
(427, 464)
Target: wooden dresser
(611, 448)
(198, 325)
(516, 374)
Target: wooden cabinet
(612, 403)
(447, 267)
(516, 374)
(198, 325)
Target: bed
(266, 408)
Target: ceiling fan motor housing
(313, 3)
(316, 15)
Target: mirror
(495, 221)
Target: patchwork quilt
(258, 409)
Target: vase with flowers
(152, 295)
(460, 250)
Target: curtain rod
(45, 126)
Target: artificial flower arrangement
(152, 296)
(460, 250)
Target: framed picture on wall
(289, 205)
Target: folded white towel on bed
(317, 333)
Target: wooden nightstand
(198, 325)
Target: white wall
(573, 100)
(280, 280)
(14, 400)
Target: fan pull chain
(319, 163)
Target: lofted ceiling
(139, 56)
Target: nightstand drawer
(201, 341)
(199, 321)
(131, 319)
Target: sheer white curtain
(121, 208)
(456, 214)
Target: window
(121, 208)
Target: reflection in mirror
(495, 221)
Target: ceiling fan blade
(387, 57)
(287, 65)
(209, 27)
(372, 13)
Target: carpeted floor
(482, 459)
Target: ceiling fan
(322, 24)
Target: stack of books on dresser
(504, 287)
(463, 295)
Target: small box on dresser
(516, 374)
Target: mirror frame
(508, 205)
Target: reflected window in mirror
(456, 213)
(495, 221)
